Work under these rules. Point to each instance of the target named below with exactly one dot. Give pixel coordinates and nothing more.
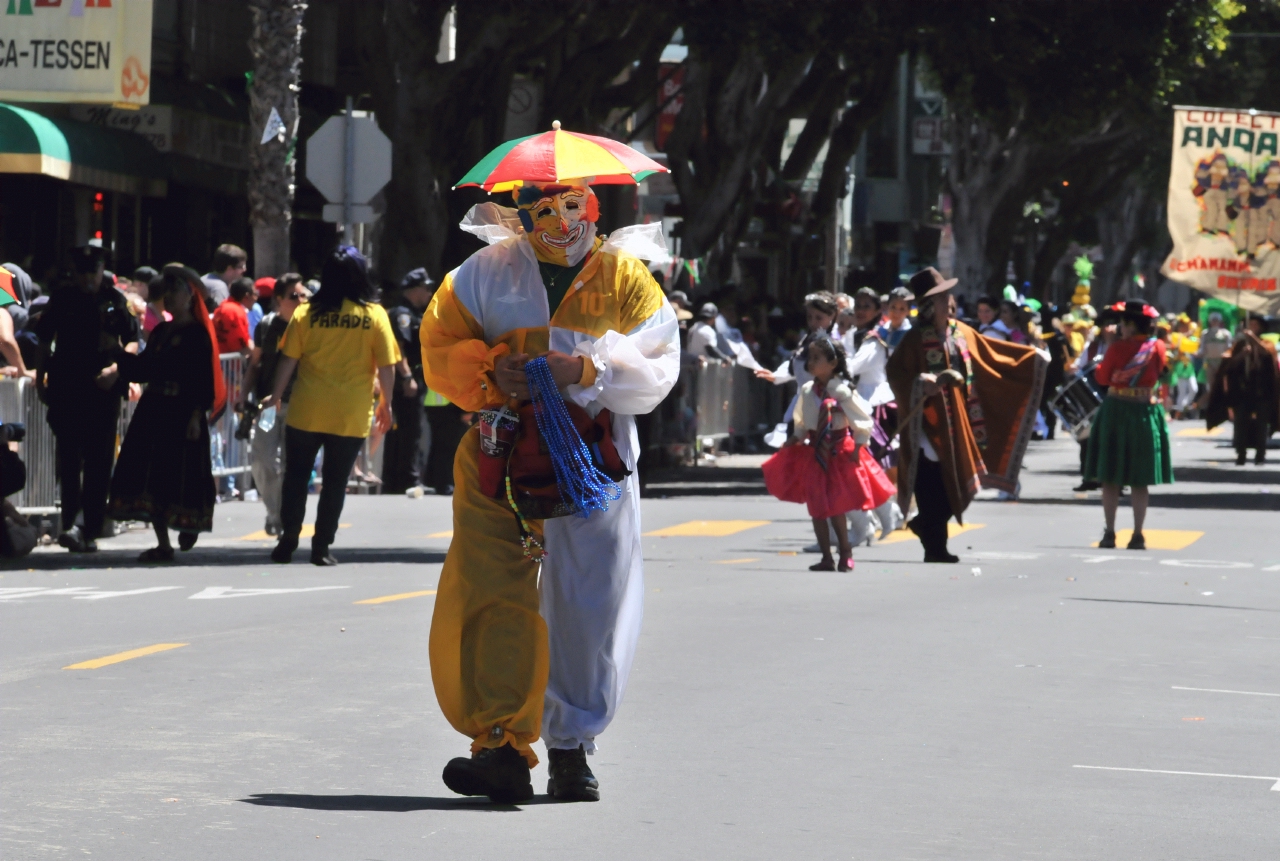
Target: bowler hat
(929, 282)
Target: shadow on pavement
(1173, 604)
(385, 803)
(215, 557)
(1246, 501)
(1226, 475)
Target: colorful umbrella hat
(556, 157)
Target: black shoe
(570, 777)
(1137, 542)
(1240, 458)
(1087, 485)
(944, 556)
(187, 540)
(90, 546)
(72, 539)
(321, 556)
(1259, 459)
(502, 773)
(1108, 541)
(444, 490)
(283, 552)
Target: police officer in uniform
(86, 319)
(401, 468)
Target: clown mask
(559, 221)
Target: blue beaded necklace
(582, 485)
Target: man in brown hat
(968, 430)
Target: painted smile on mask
(575, 233)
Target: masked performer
(1245, 391)
(512, 657)
(956, 439)
(164, 474)
(1129, 439)
(826, 463)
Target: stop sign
(326, 158)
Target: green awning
(82, 153)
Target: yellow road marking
(953, 529)
(124, 656)
(308, 530)
(1218, 431)
(733, 561)
(708, 528)
(448, 533)
(385, 598)
(1160, 539)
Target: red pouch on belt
(521, 454)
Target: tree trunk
(276, 45)
(1120, 225)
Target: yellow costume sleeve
(456, 360)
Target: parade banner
(76, 51)
(1224, 205)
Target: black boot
(283, 552)
(1241, 456)
(321, 556)
(571, 778)
(502, 773)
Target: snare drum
(1076, 402)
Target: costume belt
(1141, 395)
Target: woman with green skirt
(1129, 440)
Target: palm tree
(276, 45)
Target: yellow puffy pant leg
(488, 642)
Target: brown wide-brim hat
(929, 282)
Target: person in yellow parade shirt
(516, 652)
(338, 343)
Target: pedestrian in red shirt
(231, 320)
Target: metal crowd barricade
(18, 403)
(712, 402)
(235, 452)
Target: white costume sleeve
(783, 373)
(635, 371)
(856, 410)
(798, 427)
(865, 358)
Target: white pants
(266, 463)
(592, 599)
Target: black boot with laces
(502, 773)
(571, 778)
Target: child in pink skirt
(826, 464)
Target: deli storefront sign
(75, 51)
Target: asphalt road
(1040, 700)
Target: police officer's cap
(87, 258)
(416, 278)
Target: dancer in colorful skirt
(826, 464)
(527, 642)
(1129, 439)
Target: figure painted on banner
(164, 476)
(1212, 183)
(1265, 226)
(1241, 212)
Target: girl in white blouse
(826, 464)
